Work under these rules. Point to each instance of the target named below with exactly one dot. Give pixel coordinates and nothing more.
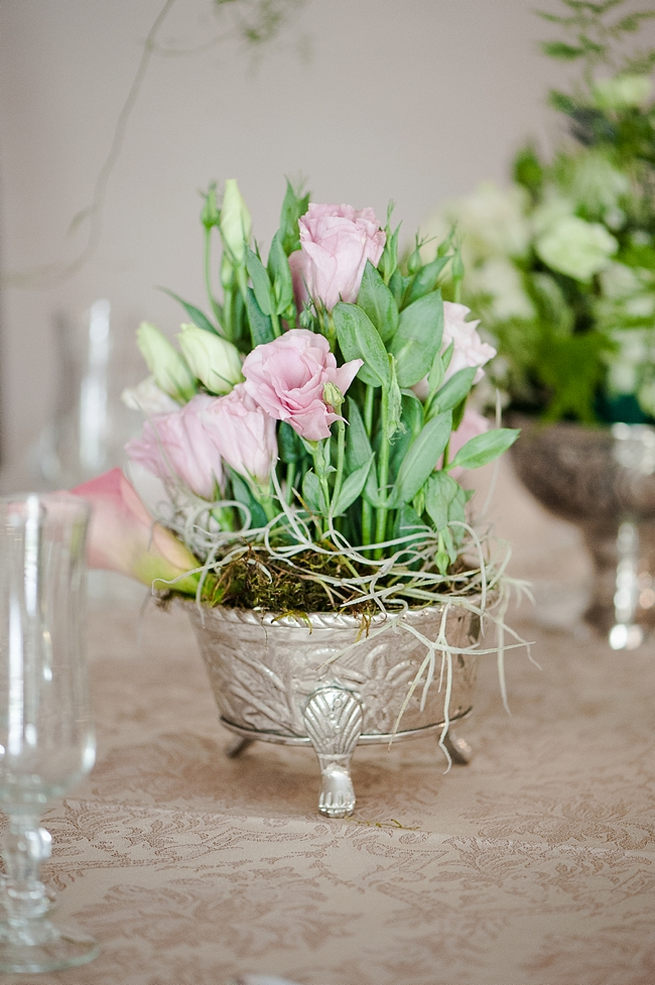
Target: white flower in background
(635, 353)
(500, 281)
(489, 222)
(598, 186)
(553, 207)
(631, 287)
(622, 91)
(493, 219)
(576, 248)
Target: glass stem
(26, 845)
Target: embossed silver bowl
(326, 683)
(603, 480)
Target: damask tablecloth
(532, 865)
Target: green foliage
(568, 295)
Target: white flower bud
(167, 365)
(213, 360)
(234, 223)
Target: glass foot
(43, 946)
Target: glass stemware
(47, 741)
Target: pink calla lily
(124, 537)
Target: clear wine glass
(47, 742)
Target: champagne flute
(47, 742)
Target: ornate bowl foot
(333, 718)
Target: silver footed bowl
(323, 681)
(603, 480)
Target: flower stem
(367, 509)
(341, 454)
(383, 473)
(208, 280)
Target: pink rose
(469, 349)
(177, 445)
(335, 243)
(242, 433)
(287, 377)
(124, 537)
(472, 424)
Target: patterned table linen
(535, 864)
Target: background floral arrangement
(561, 263)
(311, 428)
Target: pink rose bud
(124, 537)
(335, 243)
(287, 378)
(177, 446)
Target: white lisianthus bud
(167, 365)
(149, 398)
(234, 223)
(213, 360)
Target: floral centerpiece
(312, 425)
(310, 431)
(561, 261)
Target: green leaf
(261, 327)
(388, 262)
(484, 448)
(312, 494)
(358, 446)
(243, 493)
(421, 458)
(289, 444)
(195, 314)
(454, 390)
(397, 284)
(425, 280)
(565, 52)
(376, 299)
(360, 339)
(352, 486)
(260, 282)
(280, 275)
(411, 423)
(418, 338)
(445, 500)
(293, 207)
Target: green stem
(341, 455)
(367, 509)
(275, 324)
(208, 279)
(383, 473)
(291, 477)
(318, 455)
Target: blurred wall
(368, 100)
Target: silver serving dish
(328, 683)
(603, 480)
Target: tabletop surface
(532, 865)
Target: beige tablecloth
(533, 864)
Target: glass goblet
(47, 742)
